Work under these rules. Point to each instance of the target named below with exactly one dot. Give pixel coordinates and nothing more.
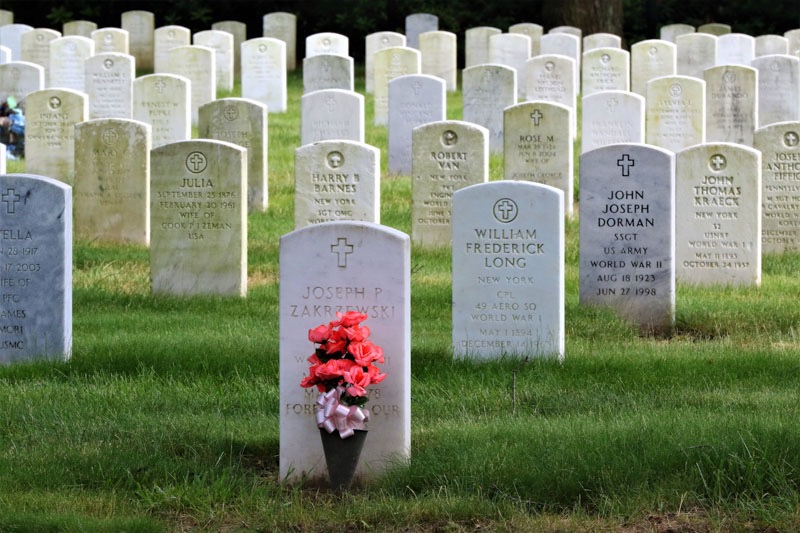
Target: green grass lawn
(166, 417)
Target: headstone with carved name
(327, 43)
(731, 104)
(675, 112)
(695, 53)
(414, 100)
(438, 55)
(198, 65)
(612, 117)
(331, 114)
(239, 32)
(165, 39)
(391, 63)
(779, 145)
(20, 78)
(162, 100)
(336, 180)
(476, 45)
(552, 78)
(487, 91)
(718, 230)
(355, 266)
(36, 317)
(36, 48)
(627, 233)
(264, 72)
(111, 41)
(198, 219)
(649, 60)
(328, 71)
(605, 69)
(68, 57)
(778, 88)
(221, 42)
(508, 271)
(374, 42)
(283, 26)
(109, 85)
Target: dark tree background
(634, 20)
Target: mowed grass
(166, 417)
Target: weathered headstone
(649, 60)
(718, 230)
(20, 78)
(109, 85)
(222, 44)
(487, 91)
(162, 100)
(36, 48)
(331, 114)
(51, 115)
(778, 89)
(328, 71)
(670, 32)
(327, 43)
(612, 117)
(198, 219)
(779, 145)
(438, 56)
(239, 32)
(245, 123)
(283, 26)
(111, 41)
(417, 24)
(731, 102)
(534, 31)
(735, 49)
(165, 39)
(552, 78)
(696, 52)
(198, 65)
(675, 112)
(79, 28)
(627, 233)
(346, 266)
(374, 42)
(476, 45)
(264, 72)
(508, 271)
(11, 38)
(68, 56)
(571, 30)
(601, 40)
(36, 239)
(767, 45)
(414, 100)
(565, 44)
(605, 69)
(511, 50)
(794, 40)
(539, 146)
(336, 180)
(391, 63)
(714, 28)
(140, 26)
(448, 155)
(112, 180)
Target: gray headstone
(109, 85)
(605, 69)
(718, 232)
(331, 114)
(374, 42)
(6, 17)
(627, 235)
(328, 71)
(391, 63)
(612, 117)
(162, 100)
(476, 45)
(779, 145)
(80, 28)
(778, 89)
(264, 72)
(448, 156)
(51, 116)
(36, 315)
(198, 219)
(336, 180)
(221, 42)
(539, 146)
(696, 52)
(487, 91)
(649, 60)
(508, 271)
(731, 103)
(438, 54)
(112, 180)
(165, 39)
(413, 100)
(245, 123)
(675, 112)
(68, 57)
(19, 79)
(417, 24)
(140, 26)
(354, 266)
(283, 26)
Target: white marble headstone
(767, 45)
(36, 48)
(222, 44)
(68, 57)
(11, 38)
(511, 50)
(601, 40)
(779, 145)
(534, 31)
(695, 53)
(476, 45)
(239, 32)
(391, 63)
(198, 65)
(111, 41)
(264, 72)
(328, 71)
(165, 39)
(605, 69)
(671, 32)
(438, 55)
(651, 59)
(80, 28)
(419, 23)
(109, 85)
(374, 42)
(735, 49)
(487, 91)
(327, 43)
(778, 88)
(140, 26)
(714, 28)
(508, 271)
(163, 101)
(331, 114)
(414, 100)
(20, 78)
(612, 117)
(731, 104)
(675, 112)
(283, 26)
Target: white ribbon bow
(334, 415)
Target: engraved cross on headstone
(197, 162)
(625, 163)
(160, 86)
(342, 249)
(11, 198)
(536, 116)
(791, 138)
(506, 207)
(331, 101)
(718, 162)
(416, 87)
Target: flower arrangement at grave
(343, 365)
